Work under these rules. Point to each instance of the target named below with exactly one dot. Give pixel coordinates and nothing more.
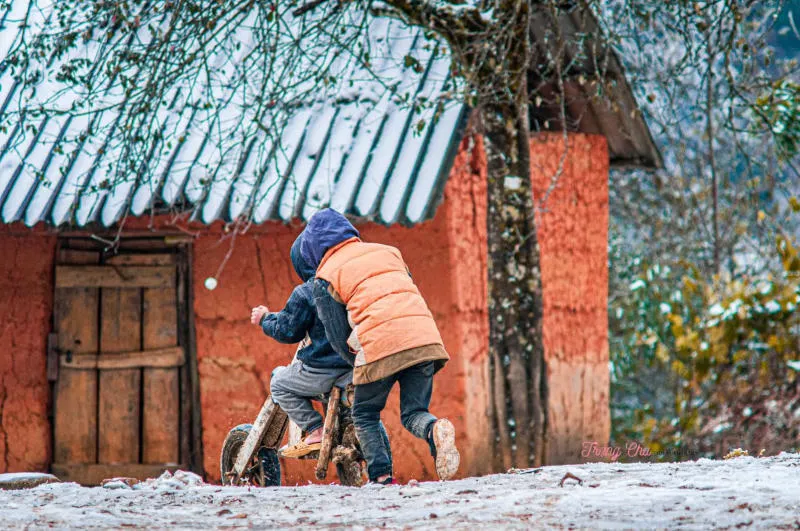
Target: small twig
(227, 255)
(524, 471)
(110, 244)
(306, 8)
(570, 475)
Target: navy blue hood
(304, 271)
(327, 228)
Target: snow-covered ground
(742, 492)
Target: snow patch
(758, 492)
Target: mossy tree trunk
(515, 283)
(515, 290)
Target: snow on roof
(362, 145)
(361, 152)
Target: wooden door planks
(75, 403)
(111, 276)
(161, 391)
(117, 397)
(161, 358)
(119, 413)
(160, 386)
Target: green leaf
(409, 61)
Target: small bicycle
(250, 451)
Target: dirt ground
(745, 492)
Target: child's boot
(446, 454)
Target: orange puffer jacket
(387, 312)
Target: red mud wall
(26, 300)
(447, 257)
(573, 239)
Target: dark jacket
(299, 317)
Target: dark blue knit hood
(304, 271)
(327, 228)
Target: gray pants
(292, 387)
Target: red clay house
(116, 360)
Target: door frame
(162, 242)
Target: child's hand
(257, 313)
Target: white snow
(16, 141)
(149, 180)
(80, 169)
(379, 104)
(304, 164)
(194, 136)
(637, 284)
(175, 126)
(359, 153)
(27, 175)
(397, 118)
(341, 139)
(346, 152)
(13, 18)
(759, 493)
(432, 164)
(223, 152)
(248, 176)
(54, 174)
(41, 172)
(284, 152)
(415, 137)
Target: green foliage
(779, 111)
(685, 349)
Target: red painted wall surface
(573, 239)
(26, 305)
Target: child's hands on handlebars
(257, 313)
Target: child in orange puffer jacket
(375, 317)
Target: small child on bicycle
(316, 368)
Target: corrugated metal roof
(355, 149)
(358, 150)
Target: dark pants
(416, 384)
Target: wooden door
(119, 361)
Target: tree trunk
(538, 377)
(497, 75)
(500, 404)
(515, 288)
